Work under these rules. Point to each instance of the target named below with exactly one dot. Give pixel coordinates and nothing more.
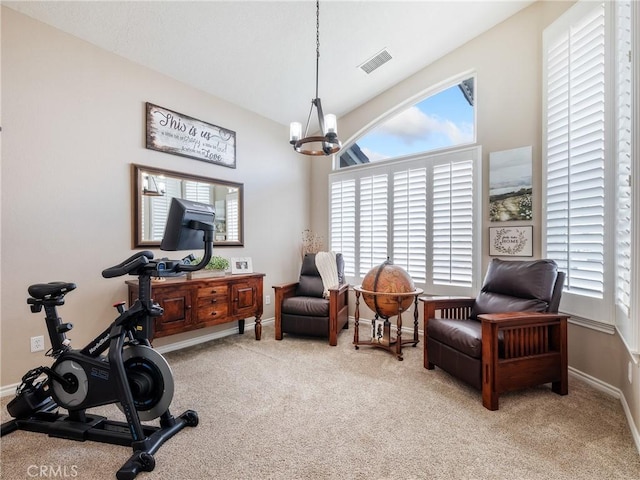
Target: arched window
(444, 119)
(421, 210)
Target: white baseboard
(8, 390)
(248, 327)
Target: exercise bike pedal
(31, 400)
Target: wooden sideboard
(204, 302)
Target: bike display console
(204, 302)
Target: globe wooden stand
(387, 342)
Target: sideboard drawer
(213, 314)
(211, 290)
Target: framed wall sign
(172, 132)
(511, 241)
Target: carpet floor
(300, 409)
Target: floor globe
(388, 278)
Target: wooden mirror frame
(137, 172)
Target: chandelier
(327, 144)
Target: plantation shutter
(403, 209)
(343, 222)
(233, 217)
(197, 191)
(373, 221)
(623, 143)
(410, 222)
(453, 223)
(575, 145)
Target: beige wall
(508, 63)
(73, 122)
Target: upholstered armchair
(302, 309)
(509, 337)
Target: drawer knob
(213, 314)
(214, 300)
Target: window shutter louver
(343, 222)
(373, 221)
(453, 223)
(410, 222)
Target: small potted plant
(215, 268)
(218, 265)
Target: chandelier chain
(317, 43)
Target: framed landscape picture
(510, 185)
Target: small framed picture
(511, 241)
(241, 265)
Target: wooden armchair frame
(338, 307)
(534, 347)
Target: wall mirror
(152, 193)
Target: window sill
(592, 324)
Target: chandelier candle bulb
(330, 124)
(295, 131)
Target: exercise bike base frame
(97, 428)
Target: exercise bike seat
(43, 291)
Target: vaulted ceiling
(261, 54)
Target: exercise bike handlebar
(129, 265)
(133, 264)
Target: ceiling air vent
(376, 61)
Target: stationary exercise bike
(132, 375)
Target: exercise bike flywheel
(79, 384)
(150, 380)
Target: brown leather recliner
(507, 338)
(301, 309)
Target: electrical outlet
(37, 343)
(630, 372)
(267, 299)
